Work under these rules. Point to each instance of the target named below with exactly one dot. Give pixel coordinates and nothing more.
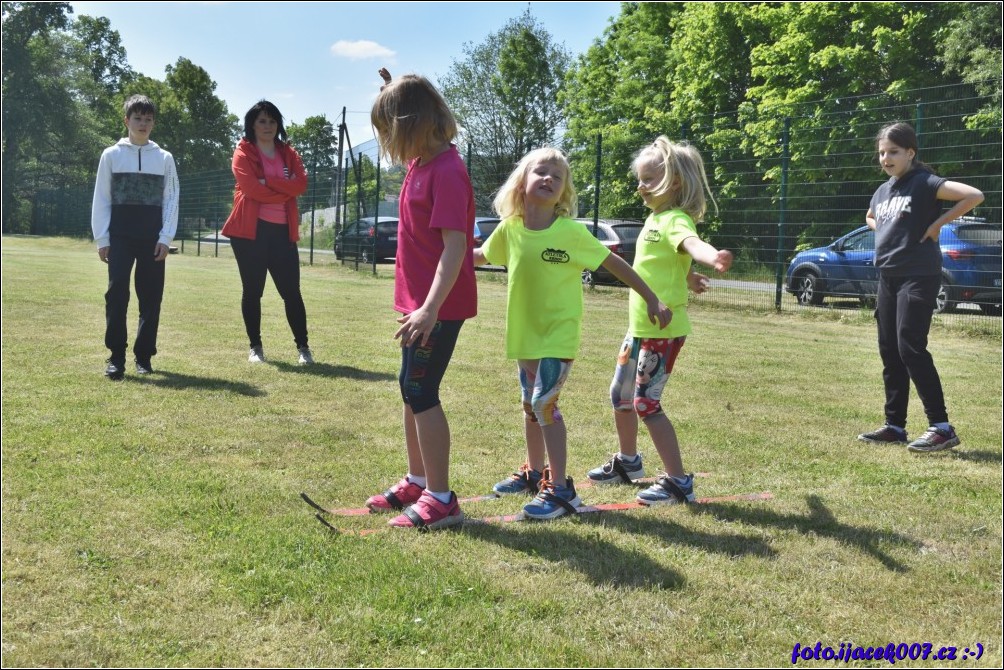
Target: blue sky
(314, 58)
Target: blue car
(971, 268)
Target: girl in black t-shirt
(906, 215)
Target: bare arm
(705, 254)
(965, 198)
(657, 312)
(479, 258)
(417, 326)
(870, 219)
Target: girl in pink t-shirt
(434, 287)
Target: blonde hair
(510, 199)
(682, 175)
(410, 116)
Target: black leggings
(270, 253)
(423, 366)
(904, 310)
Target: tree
(971, 48)
(32, 89)
(504, 94)
(202, 133)
(316, 142)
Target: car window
(982, 235)
(351, 228)
(865, 241)
(628, 233)
(387, 227)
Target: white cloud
(361, 49)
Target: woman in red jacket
(264, 225)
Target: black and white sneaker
(115, 370)
(617, 471)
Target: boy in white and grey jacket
(134, 217)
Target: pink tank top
(274, 169)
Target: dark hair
(904, 136)
(138, 104)
(271, 111)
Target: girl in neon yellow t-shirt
(672, 183)
(545, 250)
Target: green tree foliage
(504, 94)
(33, 62)
(727, 75)
(195, 125)
(317, 142)
(971, 48)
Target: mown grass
(157, 521)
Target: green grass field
(157, 521)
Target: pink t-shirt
(274, 169)
(434, 196)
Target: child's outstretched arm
(479, 257)
(965, 198)
(705, 254)
(657, 312)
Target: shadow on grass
(819, 521)
(326, 370)
(173, 380)
(977, 456)
(601, 562)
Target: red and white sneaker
(430, 514)
(399, 496)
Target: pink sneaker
(399, 496)
(430, 514)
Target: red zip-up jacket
(250, 194)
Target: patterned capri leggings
(643, 368)
(541, 382)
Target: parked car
(368, 238)
(971, 267)
(618, 235)
(483, 228)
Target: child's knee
(647, 407)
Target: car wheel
(364, 257)
(588, 278)
(807, 289)
(944, 304)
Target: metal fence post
(782, 211)
(376, 212)
(313, 204)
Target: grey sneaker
(935, 439)
(668, 491)
(884, 435)
(256, 355)
(617, 471)
(306, 358)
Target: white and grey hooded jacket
(136, 194)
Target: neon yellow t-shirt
(544, 311)
(663, 264)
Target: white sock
(417, 481)
(441, 497)
(628, 459)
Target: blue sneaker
(668, 491)
(553, 501)
(526, 480)
(617, 471)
